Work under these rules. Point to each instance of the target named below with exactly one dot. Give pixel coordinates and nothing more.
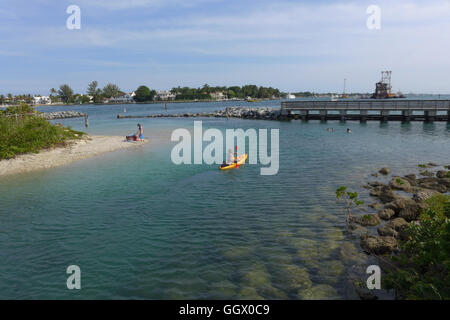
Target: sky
(291, 45)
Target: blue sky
(292, 45)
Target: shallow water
(141, 227)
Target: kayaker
(231, 157)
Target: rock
(387, 231)
(374, 174)
(386, 214)
(397, 224)
(387, 195)
(426, 173)
(257, 278)
(445, 182)
(400, 203)
(378, 245)
(375, 205)
(411, 212)
(350, 254)
(441, 174)
(375, 184)
(296, 277)
(385, 171)
(365, 294)
(319, 292)
(248, 293)
(400, 184)
(330, 271)
(357, 229)
(367, 220)
(376, 192)
(423, 194)
(432, 164)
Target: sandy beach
(88, 147)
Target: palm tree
(66, 93)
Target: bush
(422, 267)
(30, 133)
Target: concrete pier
(382, 110)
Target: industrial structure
(383, 88)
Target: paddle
(236, 159)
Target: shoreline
(87, 147)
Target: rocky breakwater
(399, 203)
(262, 113)
(62, 115)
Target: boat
(240, 161)
(290, 96)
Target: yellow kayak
(240, 161)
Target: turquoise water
(141, 227)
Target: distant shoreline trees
(112, 93)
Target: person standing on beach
(140, 133)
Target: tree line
(95, 94)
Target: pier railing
(415, 105)
(429, 108)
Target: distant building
(122, 98)
(218, 95)
(165, 95)
(41, 100)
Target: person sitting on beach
(138, 135)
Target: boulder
(387, 195)
(445, 182)
(375, 184)
(385, 171)
(399, 203)
(426, 173)
(387, 231)
(357, 229)
(441, 174)
(423, 194)
(367, 220)
(375, 205)
(378, 244)
(400, 184)
(397, 224)
(376, 192)
(411, 211)
(386, 214)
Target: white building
(123, 98)
(41, 100)
(218, 95)
(165, 95)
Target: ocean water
(141, 227)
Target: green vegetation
(143, 94)
(206, 92)
(65, 92)
(111, 91)
(23, 131)
(422, 165)
(350, 199)
(422, 267)
(399, 181)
